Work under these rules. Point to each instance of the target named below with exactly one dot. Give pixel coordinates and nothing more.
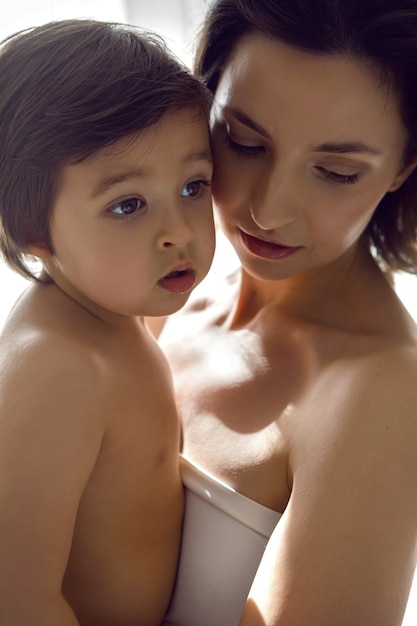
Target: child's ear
(404, 173)
(39, 250)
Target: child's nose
(175, 229)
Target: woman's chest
(237, 401)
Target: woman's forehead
(273, 82)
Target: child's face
(132, 226)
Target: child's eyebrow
(203, 155)
(109, 181)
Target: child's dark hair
(67, 89)
(380, 33)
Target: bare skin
(91, 499)
(107, 525)
(304, 365)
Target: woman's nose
(274, 202)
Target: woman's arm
(344, 552)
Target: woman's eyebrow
(247, 121)
(345, 148)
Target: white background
(178, 22)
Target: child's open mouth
(178, 281)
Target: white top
(224, 536)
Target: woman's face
(305, 148)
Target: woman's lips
(267, 249)
(180, 280)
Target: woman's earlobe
(39, 250)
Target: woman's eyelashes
(336, 177)
(244, 150)
(256, 151)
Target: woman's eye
(335, 177)
(126, 207)
(194, 189)
(243, 150)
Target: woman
(297, 386)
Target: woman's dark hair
(380, 33)
(67, 89)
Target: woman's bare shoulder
(372, 392)
(352, 515)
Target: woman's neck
(343, 294)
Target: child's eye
(335, 177)
(242, 150)
(126, 207)
(195, 188)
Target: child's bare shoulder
(45, 362)
(64, 353)
(42, 346)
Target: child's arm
(50, 436)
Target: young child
(105, 171)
